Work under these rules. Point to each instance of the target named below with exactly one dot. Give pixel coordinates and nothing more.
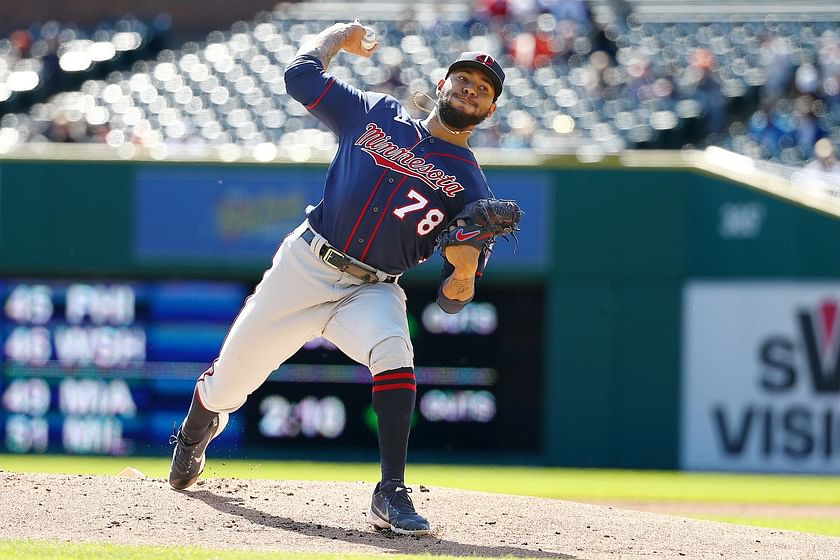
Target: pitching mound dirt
(330, 517)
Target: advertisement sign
(761, 377)
(532, 191)
(234, 215)
(222, 213)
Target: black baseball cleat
(188, 459)
(392, 508)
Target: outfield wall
(689, 313)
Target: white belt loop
(317, 243)
(317, 239)
(384, 276)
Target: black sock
(197, 420)
(394, 393)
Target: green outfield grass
(816, 525)
(34, 550)
(585, 485)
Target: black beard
(456, 118)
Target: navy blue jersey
(392, 186)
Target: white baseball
(370, 38)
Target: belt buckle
(329, 254)
(344, 264)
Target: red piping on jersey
(362, 213)
(382, 217)
(419, 139)
(370, 198)
(326, 89)
(377, 388)
(441, 154)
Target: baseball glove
(480, 222)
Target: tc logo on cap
(483, 62)
(485, 59)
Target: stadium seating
(50, 57)
(768, 87)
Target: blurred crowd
(770, 89)
(46, 58)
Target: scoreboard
(107, 367)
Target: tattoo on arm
(326, 44)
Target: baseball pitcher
(397, 190)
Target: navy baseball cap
(484, 62)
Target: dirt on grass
(330, 517)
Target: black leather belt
(338, 260)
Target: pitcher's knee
(392, 353)
(218, 396)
